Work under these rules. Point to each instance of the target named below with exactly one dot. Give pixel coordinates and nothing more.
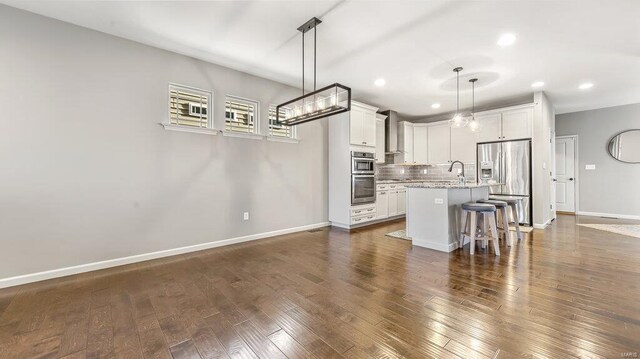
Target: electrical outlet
(246, 216)
(402, 170)
(424, 171)
(438, 201)
(589, 167)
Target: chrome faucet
(461, 179)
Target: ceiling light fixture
(327, 101)
(474, 125)
(537, 84)
(506, 40)
(586, 86)
(435, 105)
(457, 120)
(380, 82)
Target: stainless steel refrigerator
(509, 163)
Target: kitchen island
(433, 212)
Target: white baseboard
(88, 267)
(614, 215)
(543, 225)
(442, 247)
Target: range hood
(391, 133)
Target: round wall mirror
(625, 146)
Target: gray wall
(88, 174)
(614, 187)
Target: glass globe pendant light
(458, 120)
(474, 125)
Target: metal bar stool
(513, 203)
(475, 210)
(501, 215)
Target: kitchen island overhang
(433, 212)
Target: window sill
(205, 131)
(251, 136)
(283, 139)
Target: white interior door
(565, 174)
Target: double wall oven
(363, 180)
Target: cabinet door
(356, 122)
(489, 127)
(369, 129)
(380, 140)
(439, 144)
(393, 203)
(420, 139)
(402, 202)
(382, 204)
(463, 145)
(516, 124)
(405, 141)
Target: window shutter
(189, 107)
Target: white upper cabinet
(362, 126)
(380, 138)
(508, 124)
(439, 143)
(516, 124)
(463, 145)
(420, 140)
(489, 127)
(405, 141)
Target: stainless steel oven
(363, 189)
(362, 163)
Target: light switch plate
(589, 167)
(438, 201)
(246, 216)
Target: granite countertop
(400, 181)
(450, 184)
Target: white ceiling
(413, 45)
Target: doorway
(566, 174)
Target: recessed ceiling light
(380, 82)
(506, 40)
(435, 105)
(585, 86)
(537, 84)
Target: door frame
(576, 170)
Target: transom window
(278, 130)
(189, 107)
(241, 115)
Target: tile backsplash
(416, 172)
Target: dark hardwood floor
(564, 292)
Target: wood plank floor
(563, 292)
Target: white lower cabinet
(363, 213)
(402, 201)
(382, 204)
(393, 202)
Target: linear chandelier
(327, 101)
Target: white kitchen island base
(433, 213)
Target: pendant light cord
(303, 64)
(457, 92)
(315, 30)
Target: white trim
(502, 109)
(252, 136)
(88, 267)
(178, 128)
(613, 215)
(283, 139)
(449, 247)
(542, 226)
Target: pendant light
(458, 120)
(474, 125)
(327, 101)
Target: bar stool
(501, 214)
(513, 204)
(475, 210)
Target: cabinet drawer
(382, 187)
(360, 211)
(363, 219)
(402, 187)
(393, 186)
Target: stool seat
(478, 207)
(498, 204)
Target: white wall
(542, 164)
(613, 188)
(87, 174)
